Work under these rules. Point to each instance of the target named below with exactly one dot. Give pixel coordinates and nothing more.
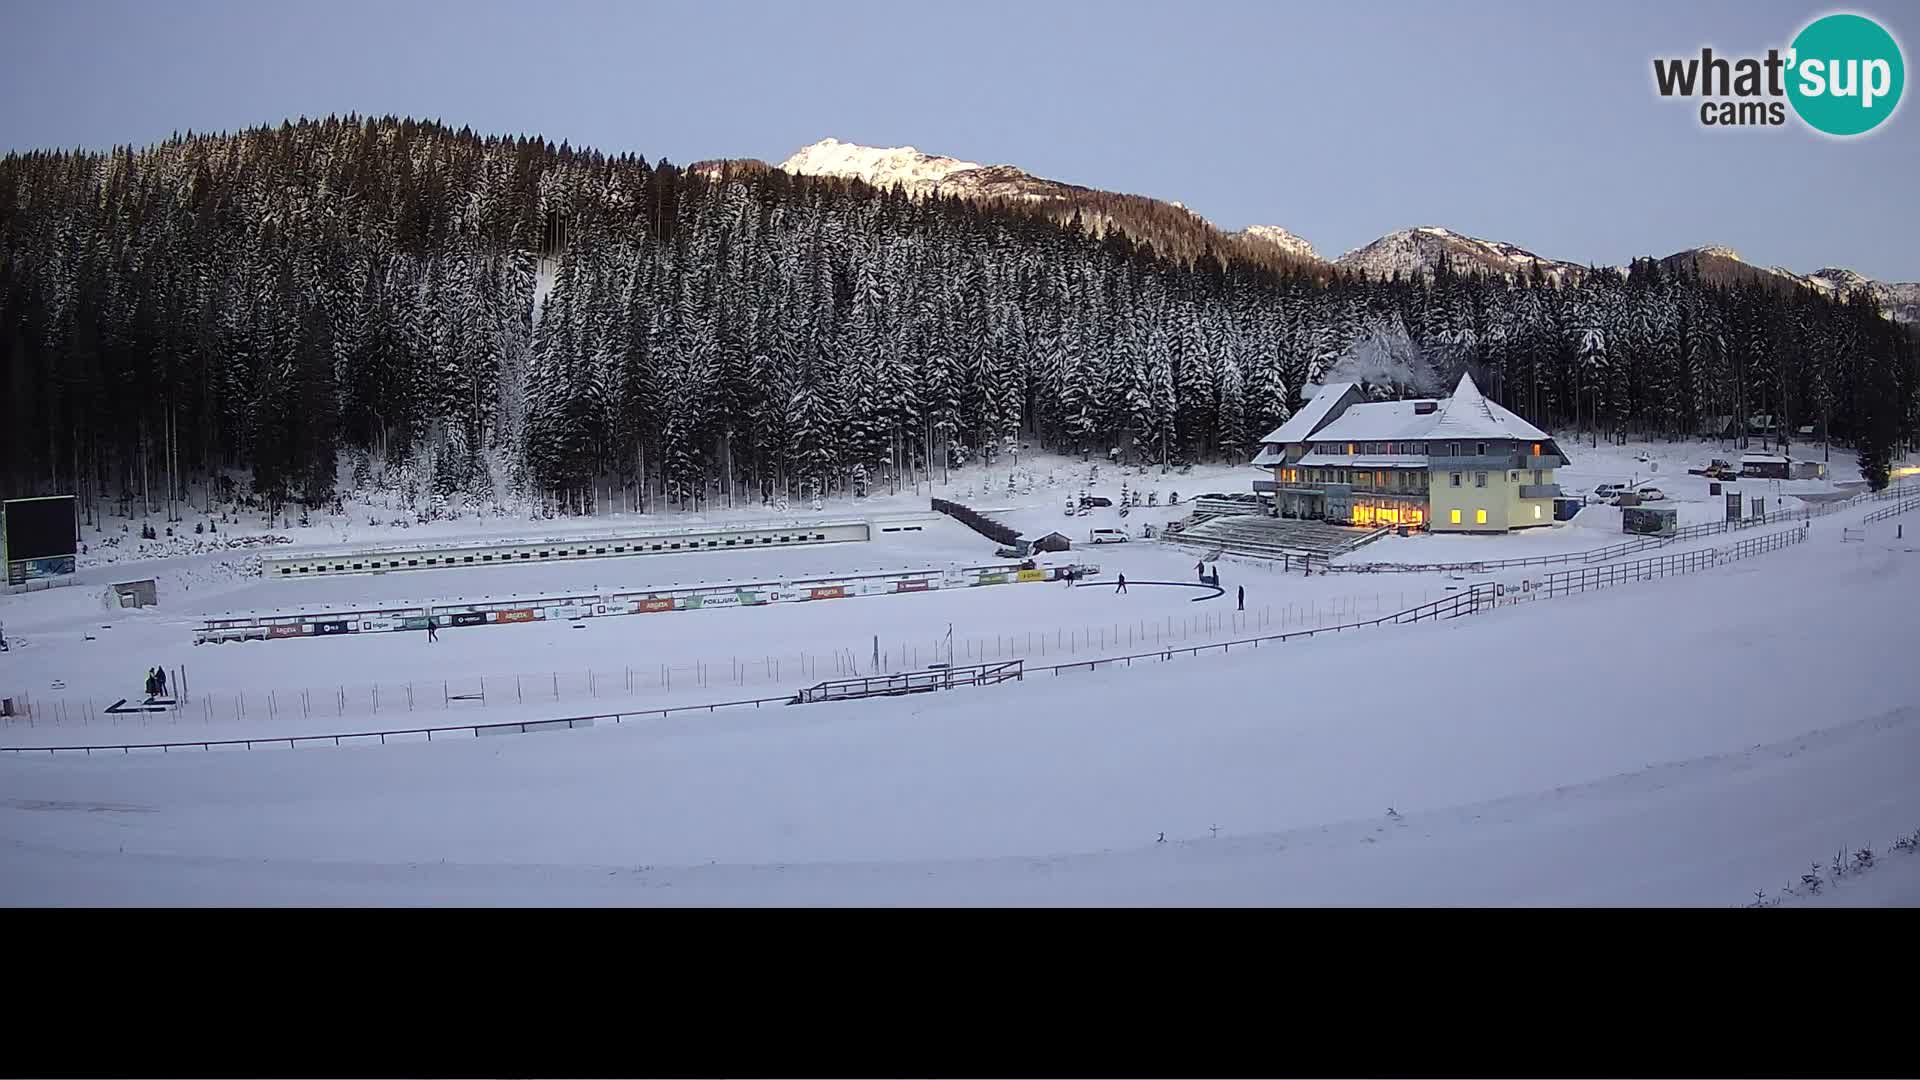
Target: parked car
(1608, 492)
(1650, 494)
(1108, 536)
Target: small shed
(136, 594)
(1650, 520)
(1565, 507)
(1765, 466)
(1807, 470)
(1053, 542)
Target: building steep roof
(1312, 414)
(1469, 415)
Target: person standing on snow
(1123, 584)
(1243, 598)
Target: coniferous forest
(501, 320)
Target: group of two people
(156, 682)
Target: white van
(1107, 536)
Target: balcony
(1539, 491)
(1476, 463)
(1545, 461)
(1264, 486)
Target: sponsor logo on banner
(377, 624)
(469, 618)
(1033, 575)
(657, 603)
(993, 579)
(751, 599)
(336, 627)
(909, 586)
(414, 622)
(517, 615)
(284, 630)
(720, 600)
(831, 592)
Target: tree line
(501, 320)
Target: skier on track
(1200, 569)
(1243, 598)
(1123, 584)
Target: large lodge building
(1458, 464)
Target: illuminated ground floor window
(1479, 517)
(1365, 513)
(1454, 517)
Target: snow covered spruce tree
(484, 319)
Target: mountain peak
(1718, 251)
(1280, 238)
(880, 166)
(1421, 247)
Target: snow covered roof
(1312, 414)
(1466, 415)
(1269, 455)
(1763, 457)
(1379, 421)
(1469, 415)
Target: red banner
(832, 592)
(516, 615)
(658, 603)
(284, 630)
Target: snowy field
(1684, 741)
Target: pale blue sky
(1534, 123)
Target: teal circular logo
(1846, 74)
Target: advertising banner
(517, 615)
(280, 630)
(1033, 575)
(992, 579)
(469, 618)
(656, 603)
(831, 592)
(414, 622)
(21, 571)
(909, 586)
(338, 626)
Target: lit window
(1454, 516)
(1379, 479)
(1479, 517)
(1536, 449)
(1536, 513)
(1349, 448)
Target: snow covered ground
(1686, 741)
(1683, 741)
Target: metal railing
(348, 738)
(1568, 582)
(911, 682)
(1893, 511)
(1463, 603)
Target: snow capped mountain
(920, 173)
(1420, 249)
(881, 166)
(1723, 265)
(1280, 238)
(1900, 299)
